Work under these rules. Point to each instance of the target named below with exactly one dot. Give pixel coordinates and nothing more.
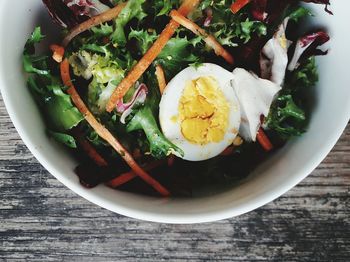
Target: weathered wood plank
(41, 220)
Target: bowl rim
(166, 218)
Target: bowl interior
(280, 173)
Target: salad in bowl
(169, 97)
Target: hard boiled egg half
(199, 111)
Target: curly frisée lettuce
(133, 9)
(140, 39)
(103, 73)
(288, 114)
(230, 30)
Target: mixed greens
(103, 55)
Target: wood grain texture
(41, 220)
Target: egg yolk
(203, 111)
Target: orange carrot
(91, 152)
(122, 179)
(171, 160)
(228, 151)
(89, 149)
(161, 78)
(93, 21)
(138, 70)
(162, 85)
(238, 5)
(264, 140)
(58, 53)
(104, 133)
(142, 65)
(209, 39)
(188, 6)
(126, 177)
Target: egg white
(169, 106)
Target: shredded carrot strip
(91, 152)
(104, 133)
(138, 70)
(228, 151)
(126, 177)
(264, 140)
(209, 39)
(58, 53)
(171, 160)
(142, 65)
(238, 5)
(93, 21)
(89, 149)
(122, 179)
(188, 6)
(162, 85)
(161, 78)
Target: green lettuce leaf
(102, 30)
(47, 89)
(164, 7)
(176, 55)
(35, 37)
(30, 61)
(62, 114)
(144, 119)
(230, 30)
(160, 146)
(305, 76)
(62, 138)
(143, 38)
(298, 13)
(133, 9)
(286, 117)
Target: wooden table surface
(41, 220)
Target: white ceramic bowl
(279, 174)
